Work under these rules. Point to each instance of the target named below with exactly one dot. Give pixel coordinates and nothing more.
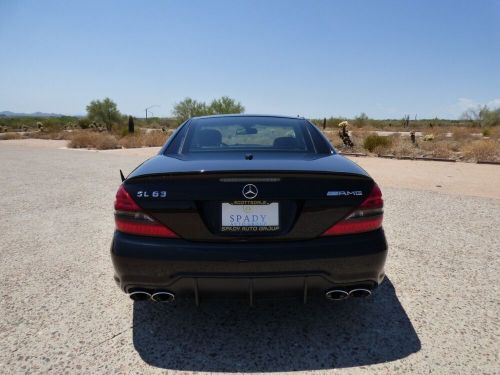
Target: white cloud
(495, 103)
(466, 103)
(463, 104)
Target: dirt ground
(61, 312)
(480, 180)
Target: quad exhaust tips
(336, 294)
(164, 297)
(340, 294)
(141, 295)
(360, 293)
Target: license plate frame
(254, 216)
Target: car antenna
(122, 176)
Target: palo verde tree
(189, 108)
(105, 112)
(483, 116)
(225, 105)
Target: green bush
(83, 123)
(373, 141)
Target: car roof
(248, 115)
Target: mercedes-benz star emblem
(250, 191)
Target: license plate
(257, 216)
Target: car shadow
(276, 335)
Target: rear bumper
(192, 268)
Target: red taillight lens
(129, 218)
(367, 217)
(124, 201)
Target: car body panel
(185, 192)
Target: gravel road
(61, 312)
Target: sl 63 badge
(151, 194)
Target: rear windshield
(246, 133)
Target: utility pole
(147, 109)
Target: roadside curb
(415, 158)
(352, 154)
(436, 159)
(488, 162)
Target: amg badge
(345, 193)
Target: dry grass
(464, 144)
(90, 139)
(463, 134)
(376, 142)
(155, 139)
(150, 139)
(438, 149)
(400, 146)
(104, 141)
(494, 132)
(131, 141)
(484, 150)
(7, 136)
(57, 135)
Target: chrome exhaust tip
(139, 295)
(360, 293)
(165, 297)
(336, 294)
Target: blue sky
(310, 58)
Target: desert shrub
(99, 141)
(441, 150)
(7, 136)
(486, 132)
(155, 139)
(495, 132)
(486, 150)
(83, 123)
(57, 135)
(149, 139)
(121, 131)
(428, 137)
(374, 141)
(400, 146)
(131, 141)
(462, 134)
(361, 120)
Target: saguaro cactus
(131, 124)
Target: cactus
(344, 134)
(131, 125)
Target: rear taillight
(367, 217)
(129, 218)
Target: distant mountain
(34, 114)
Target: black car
(251, 206)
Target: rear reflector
(367, 217)
(130, 219)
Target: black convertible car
(250, 206)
